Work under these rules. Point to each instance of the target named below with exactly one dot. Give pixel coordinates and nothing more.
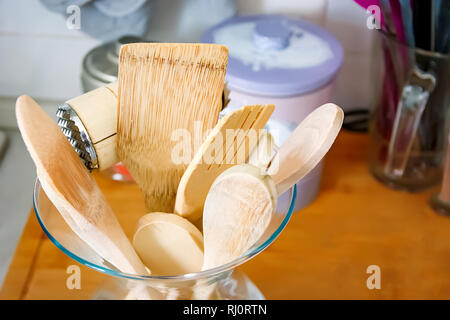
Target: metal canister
(101, 64)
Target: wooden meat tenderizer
(164, 89)
(90, 124)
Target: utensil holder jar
(223, 282)
(408, 116)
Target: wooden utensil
(237, 210)
(218, 153)
(163, 89)
(168, 244)
(64, 234)
(89, 122)
(242, 200)
(306, 146)
(72, 189)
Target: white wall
(347, 21)
(39, 55)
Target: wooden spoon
(72, 189)
(168, 244)
(242, 200)
(306, 146)
(237, 210)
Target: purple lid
(273, 55)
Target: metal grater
(76, 133)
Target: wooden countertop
(323, 252)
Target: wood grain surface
(323, 253)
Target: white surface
(314, 11)
(354, 85)
(186, 20)
(16, 175)
(345, 20)
(290, 109)
(304, 50)
(40, 56)
(31, 17)
(40, 47)
(41, 66)
(8, 115)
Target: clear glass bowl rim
(190, 276)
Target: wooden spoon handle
(306, 146)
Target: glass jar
(440, 201)
(408, 118)
(223, 282)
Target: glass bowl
(223, 282)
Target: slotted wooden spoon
(208, 163)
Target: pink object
(367, 3)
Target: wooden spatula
(165, 88)
(242, 200)
(217, 154)
(72, 190)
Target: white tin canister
(282, 61)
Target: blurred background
(42, 57)
(387, 66)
